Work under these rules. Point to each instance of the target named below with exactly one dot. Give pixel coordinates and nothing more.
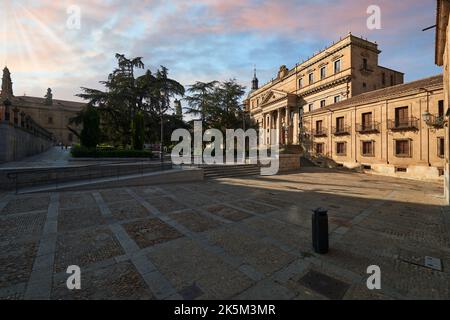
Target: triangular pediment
(274, 95)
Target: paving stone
(128, 210)
(267, 289)
(21, 204)
(195, 221)
(16, 263)
(22, 227)
(115, 195)
(85, 247)
(70, 200)
(166, 204)
(185, 263)
(228, 213)
(117, 281)
(264, 257)
(149, 232)
(79, 218)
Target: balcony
(342, 130)
(435, 121)
(403, 124)
(372, 127)
(320, 132)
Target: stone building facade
(442, 59)
(50, 114)
(343, 109)
(398, 131)
(345, 69)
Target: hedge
(83, 152)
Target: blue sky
(200, 40)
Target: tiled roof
(390, 92)
(35, 101)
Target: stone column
(22, 119)
(288, 127)
(16, 116)
(280, 130)
(295, 129)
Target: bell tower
(255, 81)
(7, 89)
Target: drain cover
(433, 263)
(327, 286)
(190, 293)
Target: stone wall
(289, 163)
(18, 142)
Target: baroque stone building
(343, 107)
(51, 114)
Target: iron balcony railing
(320, 132)
(436, 121)
(341, 130)
(403, 124)
(368, 127)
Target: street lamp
(163, 100)
(426, 116)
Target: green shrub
(83, 152)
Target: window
(367, 148)
(291, 115)
(441, 147)
(364, 85)
(50, 120)
(70, 137)
(392, 80)
(322, 103)
(300, 83)
(337, 99)
(383, 79)
(337, 66)
(319, 148)
(365, 64)
(341, 149)
(319, 126)
(441, 108)
(323, 73)
(310, 107)
(367, 120)
(401, 116)
(311, 78)
(403, 148)
(339, 124)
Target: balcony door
(367, 121)
(401, 117)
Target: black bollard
(320, 231)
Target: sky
(44, 46)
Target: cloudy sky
(198, 40)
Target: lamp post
(163, 100)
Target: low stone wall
(17, 143)
(289, 162)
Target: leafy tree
(201, 100)
(90, 134)
(138, 131)
(126, 95)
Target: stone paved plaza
(246, 238)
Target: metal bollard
(320, 231)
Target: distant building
(50, 114)
(345, 69)
(343, 109)
(442, 59)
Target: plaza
(233, 238)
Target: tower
(7, 89)
(255, 81)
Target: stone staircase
(228, 171)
